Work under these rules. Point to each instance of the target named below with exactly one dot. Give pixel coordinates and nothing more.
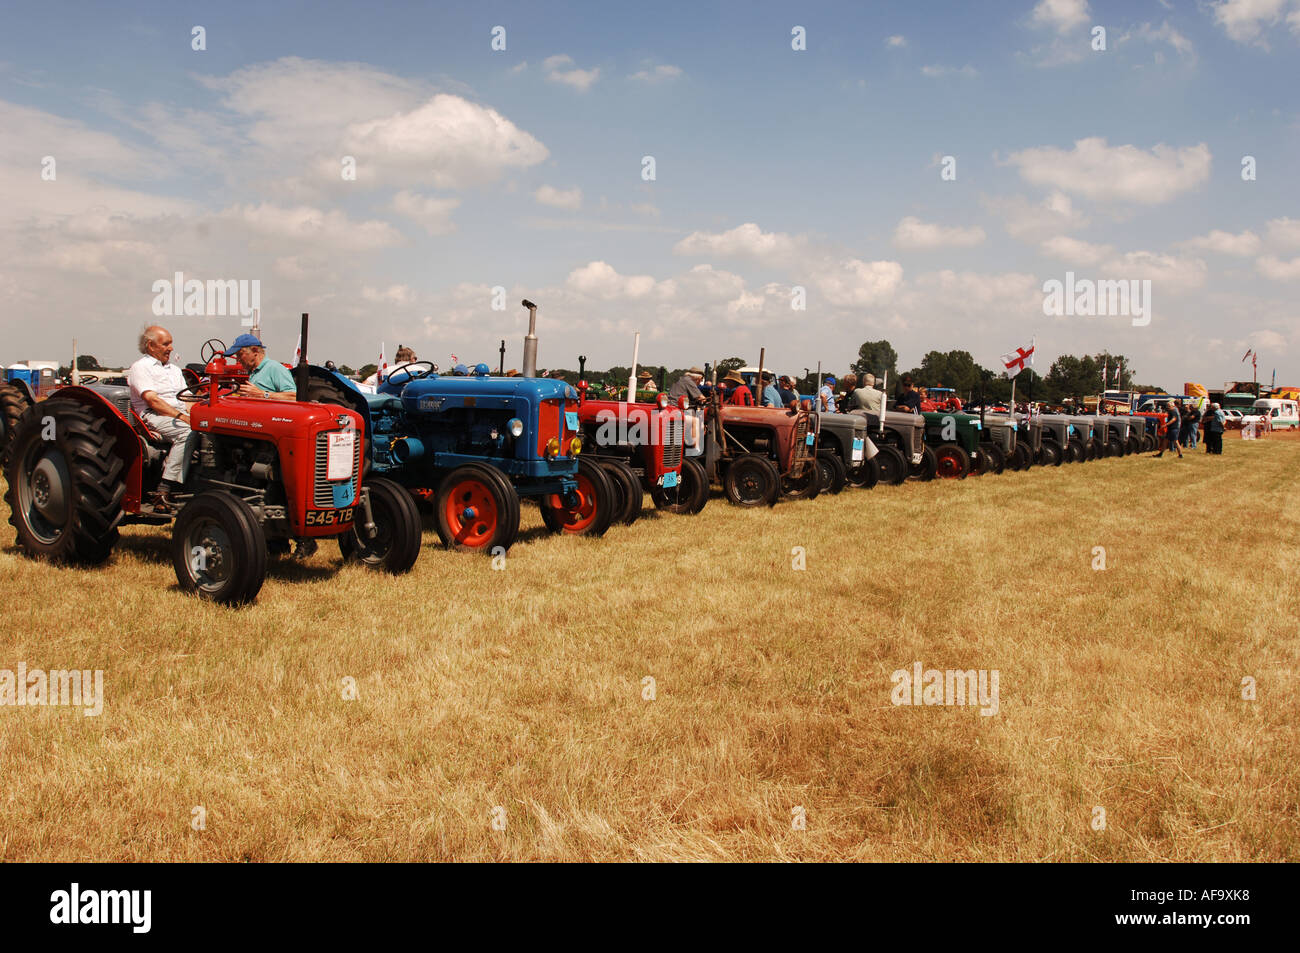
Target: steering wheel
(191, 395)
(87, 378)
(211, 348)
(411, 372)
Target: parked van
(1282, 414)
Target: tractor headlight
(575, 446)
(515, 427)
(663, 401)
(552, 448)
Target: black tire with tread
(247, 550)
(926, 470)
(627, 489)
(604, 499)
(752, 480)
(834, 474)
(959, 468)
(892, 465)
(87, 450)
(400, 529)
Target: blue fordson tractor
(473, 445)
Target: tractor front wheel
(691, 493)
(219, 549)
(1053, 454)
(866, 474)
(591, 513)
(952, 462)
(473, 511)
(834, 474)
(65, 492)
(893, 465)
(752, 480)
(926, 470)
(1023, 458)
(627, 491)
(398, 529)
(996, 458)
(806, 486)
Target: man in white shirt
(154, 385)
(867, 397)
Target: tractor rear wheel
(473, 511)
(752, 480)
(1022, 458)
(1053, 454)
(399, 529)
(952, 462)
(219, 548)
(929, 466)
(892, 464)
(806, 486)
(65, 493)
(628, 494)
(834, 474)
(593, 511)
(13, 402)
(1114, 448)
(997, 457)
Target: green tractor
(955, 440)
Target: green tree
(876, 357)
(730, 364)
(87, 362)
(365, 370)
(955, 369)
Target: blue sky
(775, 168)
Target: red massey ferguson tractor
(642, 448)
(259, 473)
(761, 454)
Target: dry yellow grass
(522, 688)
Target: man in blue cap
(827, 394)
(265, 378)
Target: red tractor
(760, 454)
(259, 474)
(641, 447)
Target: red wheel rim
(949, 467)
(471, 513)
(577, 519)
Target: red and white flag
(1019, 360)
(383, 364)
(297, 350)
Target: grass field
(522, 689)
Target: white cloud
(858, 284)
(1028, 220)
(1247, 20)
(896, 41)
(661, 73)
(580, 79)
(1165, 33)
(313, 226)
(558, 198)
(1284, 232)
(432, 213)
(913, 233)
(1060, 15)
(1226, 243)
(743, 241)
(1169, 271)
(598, 279)
(448, 141)
(1075, 252)
(1116, 173)
(394, 294)
(645, 208)
(1274, 268)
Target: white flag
(1019, 360)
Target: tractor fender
(23, 387)
(128, 445)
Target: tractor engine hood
(432, 394)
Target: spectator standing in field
(1187, 429)
(908, 398)
(1172, 430)
(1215, 423)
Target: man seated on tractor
(266, 378)
(908, 398)
(688, 386)
(771, 394)
(154, 383)
(739, 392)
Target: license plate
(342, 448)
(670, 479)
(571, 419)
(858, 449)
(810, 439)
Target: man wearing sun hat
(688, 386)
(741, 395)
(266, 378)
(645, 382)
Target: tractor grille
(672, 443)
(322, 490)
(801, 449)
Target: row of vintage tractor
(265, 477)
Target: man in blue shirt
(771, 395)
(266, 378)
(827, 394)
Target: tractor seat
(150, 436)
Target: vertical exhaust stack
(530, 341)
(300, 373)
